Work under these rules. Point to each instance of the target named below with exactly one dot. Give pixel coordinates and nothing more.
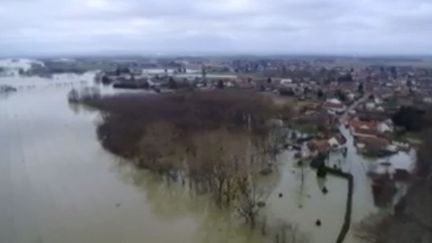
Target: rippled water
(58, 185)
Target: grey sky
(215, 26)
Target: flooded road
(57, 184)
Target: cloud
(223, 26)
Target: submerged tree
(219, 141)
(157, 148)
(247, 199)
(218, 161)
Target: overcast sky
(52, 27)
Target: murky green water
(58, 185)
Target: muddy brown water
(57, 184)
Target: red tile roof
(363, 125)
(377, 141)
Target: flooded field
(57, 184)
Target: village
(340, 109)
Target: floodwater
(57, 184)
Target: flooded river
(57, 184)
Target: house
(351, 96)
(374, 146)
(375, 115)
(334, 106)
(363, 128)
(385, 126)
(286, 82)
(317, 118)
(373, 141)
(370, 105)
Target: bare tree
(157, 147)
(248, 198)
(219, 159)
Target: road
(343, 118)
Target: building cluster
(364, 96)
(337, 105)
